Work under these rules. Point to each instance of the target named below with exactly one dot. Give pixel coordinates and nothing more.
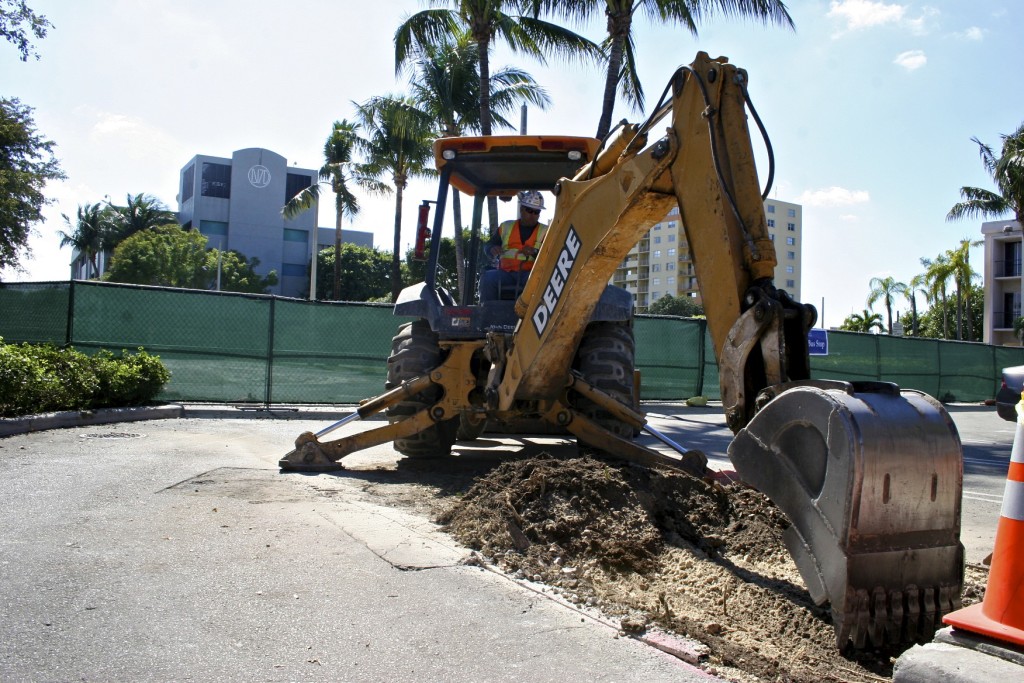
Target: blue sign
(817, 342)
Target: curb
(80, 418)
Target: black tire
(415, 352)
(470, 431)
(606, 358)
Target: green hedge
(43, 378)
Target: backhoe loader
(869, 476)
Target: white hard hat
(531, 199)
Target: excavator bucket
(870, 478)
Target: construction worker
(514, 246)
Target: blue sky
(870, 105)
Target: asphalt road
(174, 550)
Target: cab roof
(502, 165)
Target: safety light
(575, 155)
(448, 154)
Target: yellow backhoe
(870, 476)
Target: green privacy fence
(264, 349)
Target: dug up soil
(660, 549)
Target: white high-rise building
(661, 264)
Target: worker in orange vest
(514, 246)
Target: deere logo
(259, 176)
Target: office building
(236, 203)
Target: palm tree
(886, 289)
(88, 235)
(141, 212)
(915, 285)
(936, 277)
(963, 275)
(1007, 171)
(397, 143)
(620, 45)
(338, 172)
(865, 321)
(445, 84)
(485, 21)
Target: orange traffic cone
(1001, 614)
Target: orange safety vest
(512, 259)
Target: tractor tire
(415, 352)
(606, 359)
(469, 430)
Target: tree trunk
(483, 41)
(460, 248)
(959, 314)
(945, 317)
(618, 34)
(337, 253)
(396, 258)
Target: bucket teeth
(879, 618)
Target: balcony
(1003, 320)
(1006, 268)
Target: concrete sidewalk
(173, 549)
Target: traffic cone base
(1000, 614)
(973, 619)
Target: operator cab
(480, 167)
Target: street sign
(817, 342)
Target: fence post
(270, 354)
(701, 333)
(69, 328)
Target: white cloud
(833, 196)
(865, 13)
(973, 33)
(911, 60)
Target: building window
(657, 239)
(789, 269)
(771, 222)
(657, 226)
(655, 268)
(294, 270)
(656, 281)
(791, 255)
(670, 280)
(791, 283)
(771, 208)
(655, 296)
(216, 180)
(657, 253)
(672, 238)
(771, 236)
(791, 213)
(790, 240)
(294, 184)
(671, 252)
(674, 211)
(213, 228)
(670, 266)
(188, 181)
(791, 227)
(291, 235)
(672, 225)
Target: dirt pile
(657, 548)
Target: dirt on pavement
(654, 549)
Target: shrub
(41, 378)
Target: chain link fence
(247, 348)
